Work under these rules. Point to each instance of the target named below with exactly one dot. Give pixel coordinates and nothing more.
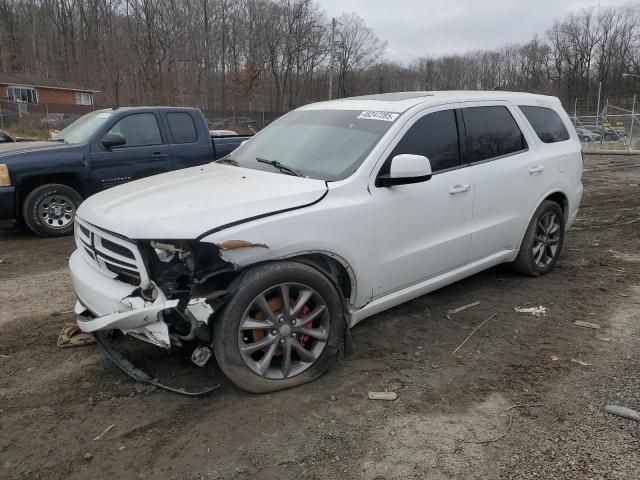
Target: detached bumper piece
(102, 337)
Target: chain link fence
(37, 121)
(613, 127)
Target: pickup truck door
(146, 152)
(424, 229)
(190, 146)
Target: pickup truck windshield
(321, 144)
(82, 130)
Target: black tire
(48, 227)
(250, 285)
(525, 262)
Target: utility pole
(633, 119)
(332, 54)
(598, 108)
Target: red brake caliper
(305, 338)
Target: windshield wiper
(61, 140)
(280, 166)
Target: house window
(83, 98)
(23, 94)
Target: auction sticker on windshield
(384, 116)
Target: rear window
(183, 130)
(547, 124)
(491, 132)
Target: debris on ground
(462, 308)
(5, 356)
(508, 410)
(555, 358)
(87, 456)
(474, 331)
(623, 412)
(389, 396)
(604, 339)
(72, 336)
(104, 432)
(539, 311)
(122, 447)
(580, 323)
(580, 362)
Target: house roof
(19, 79)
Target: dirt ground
(499, 408)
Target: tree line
(274, 55)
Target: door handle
(536, 169)
(158, 155)
(459, 189)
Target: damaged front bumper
(105, 304)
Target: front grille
(116, 257)
(119, 249)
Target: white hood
(186, 203)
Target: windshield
(320, 144)
(82, 129)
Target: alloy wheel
(547, 239)
(284, 331)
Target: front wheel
(49, 209)
(542, 242)
(282, 328)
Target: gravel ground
(501, 407)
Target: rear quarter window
(183, 130)
(491, 132)
(547, 124)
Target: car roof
(400, 102)
(127, 109)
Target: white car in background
(335, 212)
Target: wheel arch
(333, 266)
(557, 196)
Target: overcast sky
(434, 27)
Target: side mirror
(113, 139)
(405, 169)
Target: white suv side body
(389, 244)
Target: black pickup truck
(42, 183)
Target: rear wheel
(49, 209)
(281, 329)
(542, 242)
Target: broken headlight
(167, 252)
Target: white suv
(335, 212)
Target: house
(39, 90)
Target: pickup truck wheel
(49, 209)
(542, 242)
(282, 328)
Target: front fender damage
(175, 310)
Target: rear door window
(183, 130)
(436, 137)
(547, 124)
(491, 132)
(139, 130)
